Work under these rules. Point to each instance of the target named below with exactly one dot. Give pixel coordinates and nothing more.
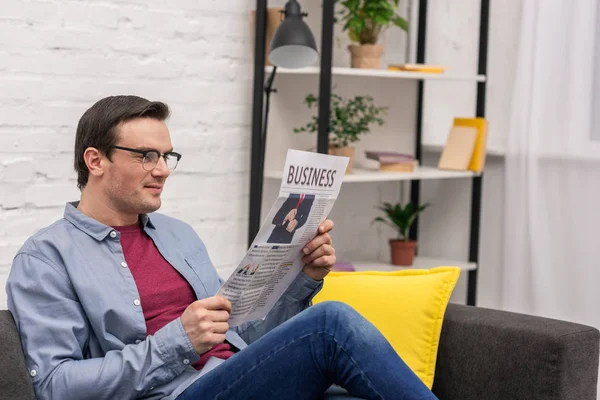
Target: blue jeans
(328, 343)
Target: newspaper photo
(309, 187)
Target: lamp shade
(293, 44)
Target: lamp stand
(268, 88)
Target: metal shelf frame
(325, 76)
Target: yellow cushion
(407, 306)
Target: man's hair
(98, 126)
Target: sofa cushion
(15, 383)
(407, 306)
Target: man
(115, 301)
(291, 216)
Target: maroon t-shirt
(164, 293)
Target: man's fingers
(326, 226)
(220, 327)
(292, 225)
(323, 250)
(219, 315)
(317, 242)
(217, 303)
(290, 215)
(324, 262)
(215, 339)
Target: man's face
(129, 187)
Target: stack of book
(391, 161)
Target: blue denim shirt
(82, 327)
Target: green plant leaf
(349, 118)
(401, 23)
(400, 217)
(310, 100)
(351, 5)
(354, 36)
(374, 16)
(409, 209)
(423, 207)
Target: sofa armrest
(15, 382)
(491, 354)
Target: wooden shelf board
(420, 263)
(380, 73)
(374, 175)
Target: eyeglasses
(150, 160)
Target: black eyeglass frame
(146, 152)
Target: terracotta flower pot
(347, 151)
(366, 55)
(403, 252)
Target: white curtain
(552, 187)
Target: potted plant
(365, 21)
(348, 120)
(401, 219)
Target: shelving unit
(325, 73)
(420, 263)
(380, 73)
(490, 151)
(366, 175)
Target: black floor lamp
(292, 46)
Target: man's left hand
(319, 253)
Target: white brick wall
(59, 57)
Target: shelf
(420, 263)
(439, 148)
(380, 73)
(374, 175)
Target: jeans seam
(261, 362)
(356, 365)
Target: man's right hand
(205, 322)
(291, 225)
(290, 215)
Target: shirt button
(186, 361)
(33, 372)
(113, 234)
(152, 388)
(124, 264)
(136, 302)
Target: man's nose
(161, 169)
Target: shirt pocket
(206, 274)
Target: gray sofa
(483, 355)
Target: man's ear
(95, 161)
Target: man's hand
(290, 216)
(319, 253)
(291, 225)
(205, 322)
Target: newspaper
(310, 185)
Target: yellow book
(459, 148)
(479, 152)
(435, 69)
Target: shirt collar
(92, 227)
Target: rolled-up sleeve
(54, 332)
(294, 300)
